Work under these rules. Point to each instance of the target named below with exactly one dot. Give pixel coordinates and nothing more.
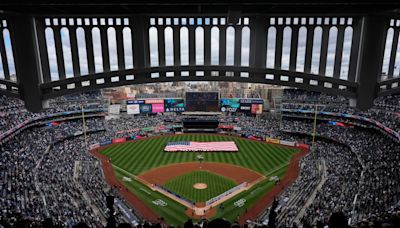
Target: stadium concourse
(351, 175)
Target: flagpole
(281, 117)
(84, 126)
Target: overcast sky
(199, 43)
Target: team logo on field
(160, 202)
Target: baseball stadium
(199, 114)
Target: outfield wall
(109, 142)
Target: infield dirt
(163, 174)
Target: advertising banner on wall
(145, 108)
(134, 102)
(94, 146)
(133, 109)
(154, 101)
(229, 104)
(156, 108)
(271, 140)
(174, 105)
(287, 143)
(118, 140)
(256, 109)
(107, 142)
(114, 109)
(251, 101)
(245, 108)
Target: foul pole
(84, 126)
(315, 125)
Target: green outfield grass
(183, 185)
(134, 158)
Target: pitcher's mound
(200, 186)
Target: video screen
(202, 102)
(174, 105)
(230, 104)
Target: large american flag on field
(229, 146)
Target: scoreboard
(202, 101)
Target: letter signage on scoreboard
(135, 102)
(154, 101)
(245, 101)
(251, 101)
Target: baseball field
(181, 172)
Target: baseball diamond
(216, 185)
(145, 160)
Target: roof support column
(27, 60)
(258, 44)
(141, 48)
(370, 59)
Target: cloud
(66, 50)
(112, 48)
(169, 46)
(230, 45)
(271, 46)
(51, 53)
(98, 57)
(199, 44)
(82, 55)
(184, 45)
(1, 68)
(128, 50)
(215, 36)
(9, 52)
(245, 54)
(387, 53)
(153, 40)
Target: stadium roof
(69, 7)
(35, 34)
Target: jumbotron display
(202, 102)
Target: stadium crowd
(362, 178)
(46, 171)
(385, 110)
(13, 113)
